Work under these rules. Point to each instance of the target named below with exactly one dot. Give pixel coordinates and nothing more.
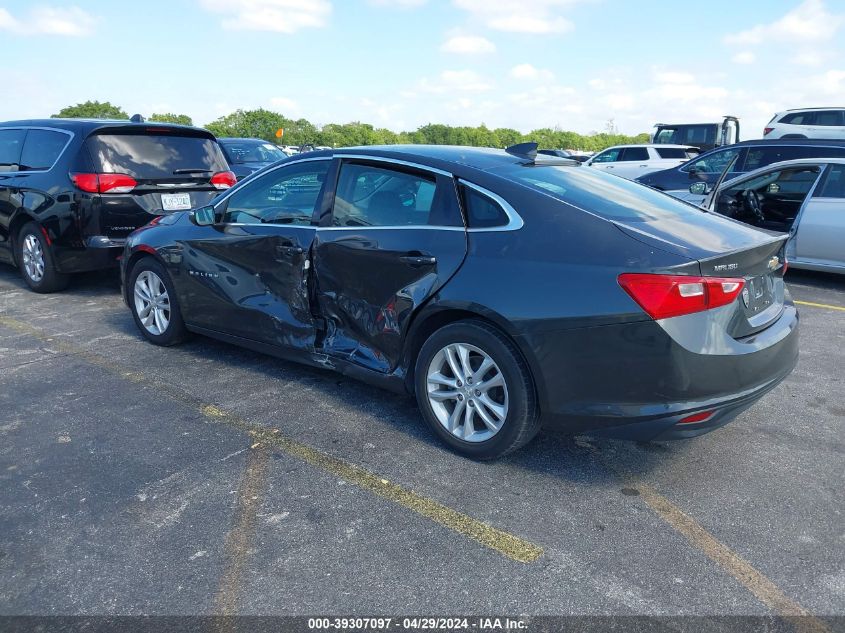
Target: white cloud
(531, 73)
(744, 57)
(809, 22)
(68, 21)
(287, 106)
(397, 4)
(283, 16)
(673, 77)
(468, 44)
(539, 16)
(451, 81)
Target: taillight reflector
(665, 296)
(104, 183)
(696, 417)
(223, 180)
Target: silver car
(805, 198)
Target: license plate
(175, 201)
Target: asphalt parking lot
(209, 479)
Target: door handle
(288, 251)
(418, 259)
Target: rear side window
(834, 183)
(714, 162)
(155, 156)
(634, 153)
(674, 152)
(11, 144)
(799, 118)
(42, 149)
(370, 195)
(482, 211)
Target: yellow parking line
(506, 544)
(766, 591)
(826, 306)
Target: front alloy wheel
(152, 303)
(467, 392)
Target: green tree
(169, 117)
(250, 124)
(92, 110)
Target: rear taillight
(665, 296)
(104, 183)
(223, 180)
(785, 266)
(766, 130)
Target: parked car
(749, 155)
(631, 161)
(71, 190)
(818, 123)
(502, 291)
(247, 155)
(804, 198)
(705, 136)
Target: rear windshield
(608, 196)
(155, 155)
(676, 152)
(701, 134)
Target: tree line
(265, 123)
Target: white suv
(633, 161)
(807, 123)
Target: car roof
(821, 108)
(89, 125)
(243, 139)
(655, 145)
(444, 156)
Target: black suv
(750, 155)
(71, 190)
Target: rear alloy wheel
(475, 390)
(154, 306)
(36, 261)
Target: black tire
(51, 280)
(175, 331)
(522, 421)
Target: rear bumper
(636, 381)
(99, 253)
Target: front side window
(287, 196)
(369, 195)
(41, 149)
(713, 162)
(11, 144)
(833, 185)
(608, 156)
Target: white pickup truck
(632, 161)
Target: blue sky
(403, 63)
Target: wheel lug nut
(460, 396)
(469, 380)
(478, 392)
(472, 403)
(460, 384)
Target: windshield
(149, 156)
(252, 152)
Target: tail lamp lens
(766, 130)
(104, 183)
(223, 180)
(665, 296)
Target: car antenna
(137, 118)
(527, 151)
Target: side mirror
(203, 216)
(698, 188)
